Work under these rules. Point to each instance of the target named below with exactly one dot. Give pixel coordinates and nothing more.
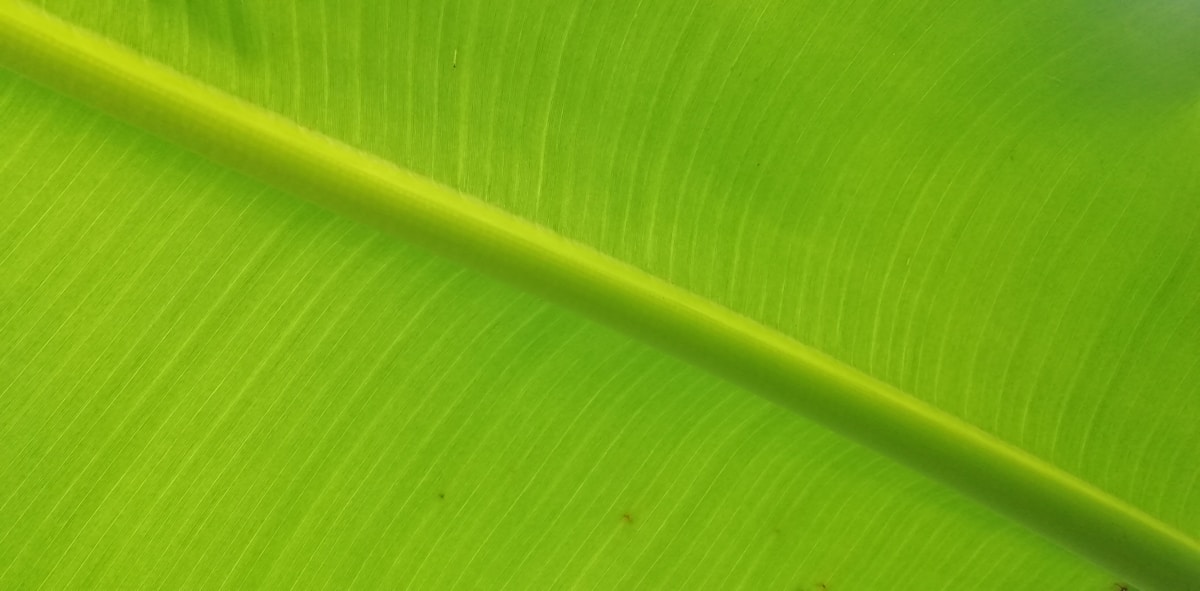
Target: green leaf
(963, 236)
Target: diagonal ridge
(371, 190)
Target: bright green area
(993, 206)
(995, 210)
(209, 382)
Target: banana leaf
(646, 294)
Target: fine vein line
(322, 170)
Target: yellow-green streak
(318, 168)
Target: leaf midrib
(359, 185)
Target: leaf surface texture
(993, 208)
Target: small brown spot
(627, 518)
(1120, 586)
(441, 495)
